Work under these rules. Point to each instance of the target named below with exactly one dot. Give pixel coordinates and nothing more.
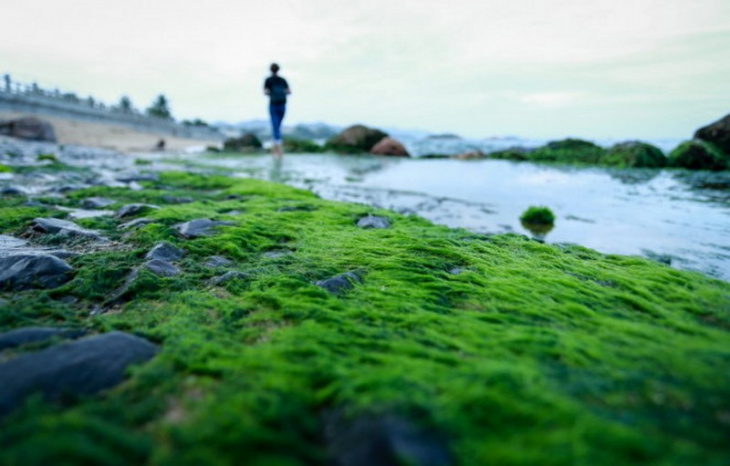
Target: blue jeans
(277, 112)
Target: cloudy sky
(479, 68)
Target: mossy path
(510, 350)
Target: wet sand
(109, 136)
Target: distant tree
(160, 108)
(125, 104)
(195, 122)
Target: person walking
(277, 89)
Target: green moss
(538, 216)
(510, 154)
(47, 157)
(5, 169)
(571, 151)
(634, 155)
(533, 354)
(294, 145)
(698, 155)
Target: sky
(595, 69)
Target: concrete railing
(33, 99)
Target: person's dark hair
(274, 68)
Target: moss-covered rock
(634, 154)
(569, 151)
(530, 354)
(355, 139)
(717, 133)
(698, 155)
(516, 154)
(293, 145)
(246, 143)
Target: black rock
(24, 271)
(383, 441)
(162, 268)
(134, 209)
(166, 252)
(80, 368)
(25, 335)
(340, 283)
(373, 222)
(199, 227)
(97, 202)
(64, 227)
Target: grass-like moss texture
(538, 215)
(527, 354)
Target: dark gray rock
(138, 177)
(80, 368)
(227, 277)
(341, 283)
(372, 221)
(97, 202)
(62, 227)
(10, 242)
(22, 336)
(24, 271)
(166, 252)
(717, 133)
(162, 268)
(199, 227)
(136, 223)
(177, 200)
(130, 210)
(13, 191)
(383, 441)
(28, 128)
(68, 188)
(217, 261)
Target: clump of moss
(47, 157)
(538, 216)
(293, 145)
(519, 155)
(5, 169)
(634, 154)
(698, 155)
(569, 151)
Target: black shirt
(277, 87)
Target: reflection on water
(539, 231)
(680, 217)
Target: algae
(531, 354)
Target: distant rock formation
(390, 146)
(717, 133)
(246, 143)
(356, 139)
(28, 128)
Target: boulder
(340, 283)
(26, 270)
(246, 143)
(389, 146)
(372, 221)
(80, 368)
(130, 210)
(698, 155)
(385, 440)
(356, 139)
(166, 252)
(22, 336)
(62, 227)
(10, 242)
(199, 227)
(634, 154)
(162, 268)
(717, 133)
(28, 128)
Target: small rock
(456, 271)
(340, 283)
(162, 268)
(138, 177)
(97, 202)
(67, 188)
(227, 277)
(25, 271)
(277, 254)
(199, 227)
(166, 252)
(177, 200)
(217, 261)
(136, 223)
(64, 227)
(134, 209)
(13, 191)
(384, 441)
(80, 368)
(373, 222)
(22, 336)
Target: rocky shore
(180, 318)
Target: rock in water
(28, 128)
(372, 221)
(24, 271)
(24, 335)
(165, 252)
(83, 367)
(717, 133)
(357, 138)
(390, 146)
(199, 227)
